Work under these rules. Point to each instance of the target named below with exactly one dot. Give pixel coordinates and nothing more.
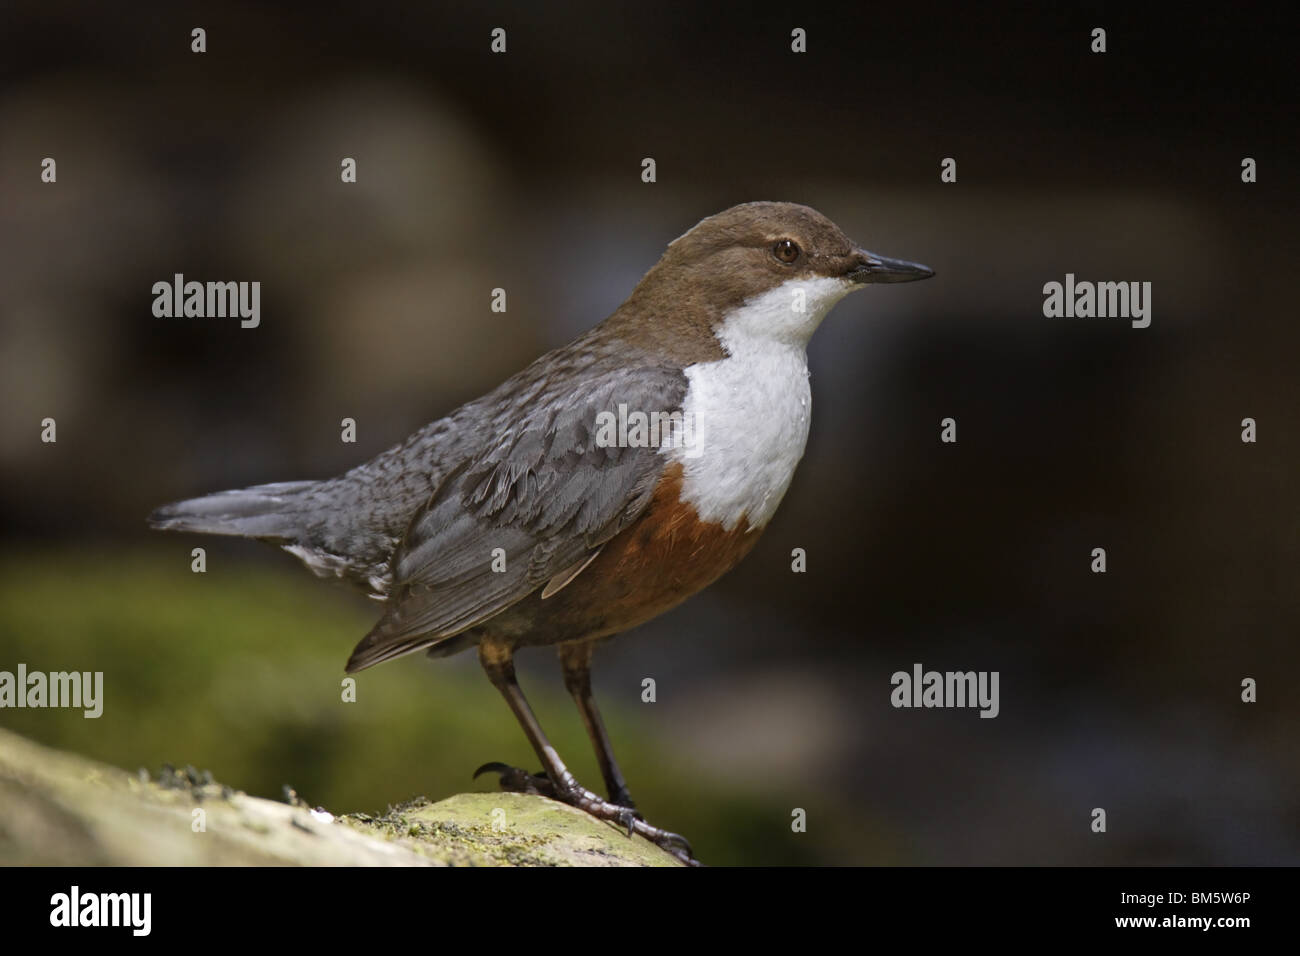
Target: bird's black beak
(870, 267)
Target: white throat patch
(750, 409)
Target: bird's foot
(516, 780)
(623, 799)
(620, 811)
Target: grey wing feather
(562, 580)
(537, 501)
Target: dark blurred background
(522, 171)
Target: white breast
(750, 410)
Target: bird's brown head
(749, 255)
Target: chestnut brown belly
(661, 559)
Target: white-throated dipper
(526, 517)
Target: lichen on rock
(58, 808)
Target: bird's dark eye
(787, 250)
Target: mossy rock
(61, 809)
(513, 829)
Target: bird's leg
(497, 659)
(575, 658)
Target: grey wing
(541, 498)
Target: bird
(546, 513)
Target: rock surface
(61, 809)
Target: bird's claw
(516, 780)
(625, 816)
(627, 819)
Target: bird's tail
(267, 512)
